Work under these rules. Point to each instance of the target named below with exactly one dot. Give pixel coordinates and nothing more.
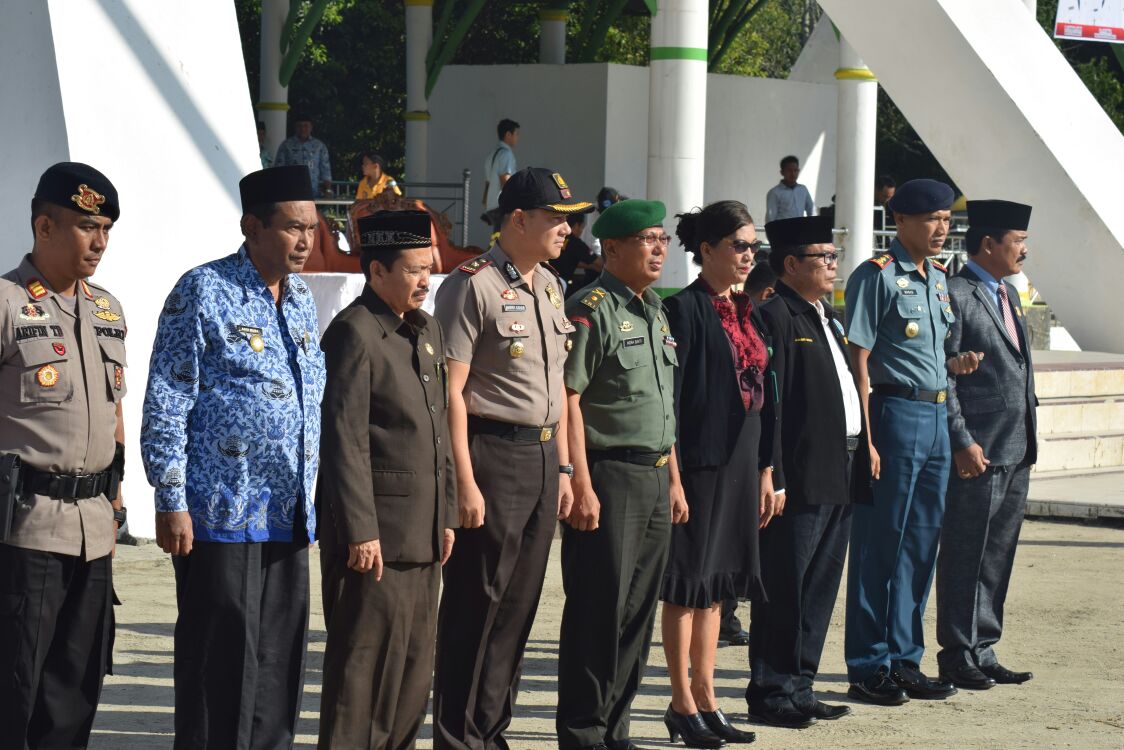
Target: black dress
(714, 556)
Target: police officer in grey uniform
(62, 377)
(506, 341)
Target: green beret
(628, 217)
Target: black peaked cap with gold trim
(80, 188)
(535, 187)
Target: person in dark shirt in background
(577, 260)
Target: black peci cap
(997, 214)
(395, 230)
(802, 230)
(80, 188)
(275, 185)
(535, 187)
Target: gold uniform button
(516, 349)
(912, 329)
(257, 343)
(569, 344)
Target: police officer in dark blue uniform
(898, 316)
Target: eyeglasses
(828, 258)
(741, 245)
(652, 239)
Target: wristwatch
(567, 469)
(119, 515)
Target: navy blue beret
(922, 197)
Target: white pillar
(273, 98)
(419, 36)
(1032, 6)
(552, 36)
(854, 171)
(677, 119)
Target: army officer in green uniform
(619, 387)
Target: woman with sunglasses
(721, 388)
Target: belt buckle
(662, 460)
(942, 396)
(546, 434)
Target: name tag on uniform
(24, 333)
(909, 292)
(635, 341)
(515, 308)
(248, 330)
(110, 333)
(805, 341)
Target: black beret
(79, 187)
(996, 214)
(276, 185)
(395, 230)
(801, 230)
(628, 217)
(922, 197)
(535, 187)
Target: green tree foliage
(352, 76)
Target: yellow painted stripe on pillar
(282, 106)
(419, 2)
(854, 74)
(547, 14)
(416, 116)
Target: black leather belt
(913, 394)
(516, 433)
(853, 443)
(630, 456)
(65, 486)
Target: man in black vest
(822, 466)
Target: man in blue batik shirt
(302, 148)
(229, 440)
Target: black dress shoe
(968, 677)
(878, 689)
(622, 745)
(736, 638)
(825, 712)
(785, 717)
(913, 681)
(1004, 676)
(717, 722)
(691, 728)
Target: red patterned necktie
(1008, 316)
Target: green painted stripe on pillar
(679, 53)
(667, 291)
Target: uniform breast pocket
(910, 308)
(47, 377)
(669, 355)
(515, 342)
(113, 357)
(632, 360)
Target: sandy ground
(1065, 621)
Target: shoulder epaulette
(881, 260)
(36, 289)
(474, 265)
(594, 298)
(939, 266)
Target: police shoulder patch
(475, 265)
(36, 289)
(881, 260)
(594, 298)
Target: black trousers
(612, 579)
(378, 662)
(56, 635)
(492, 585)
(802, 556)
(240, 643)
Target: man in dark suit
(992, 426)
(822, 465)
(387, 496)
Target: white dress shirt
(850, 394)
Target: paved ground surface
(1065, 621)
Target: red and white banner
(1091, 20)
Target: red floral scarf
(750, 357)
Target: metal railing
(449, 198)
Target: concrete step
(1078, 374)
(1076, 450)
(1098, 495)
(1090, 414)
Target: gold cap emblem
(88, 199)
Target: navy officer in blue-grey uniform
(229, 440)
(898, 316)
